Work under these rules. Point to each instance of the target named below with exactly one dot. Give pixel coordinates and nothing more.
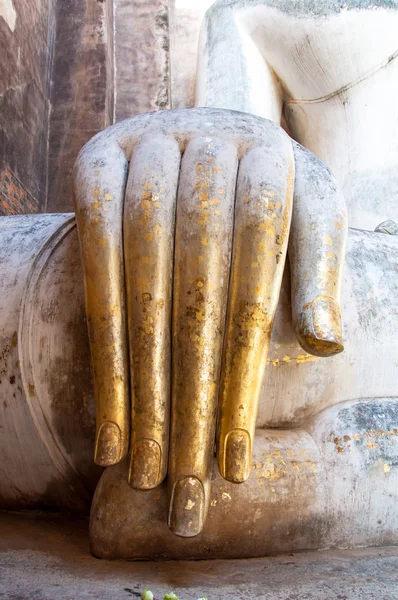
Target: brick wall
(25, 59)
(59, 70)
(14, 198)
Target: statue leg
(330, 484)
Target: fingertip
(145, 465)
(235, 456)
(108, 446)
(317, 347)
(187, 507)
(319, 327)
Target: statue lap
(329, 482)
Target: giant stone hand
(185, 219)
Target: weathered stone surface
(26, 38)
(59, 88)
(370, 298)
(141, 57)
(81, 90)
(389, 227)
(46, 557)
(331, 69)
(14, 197)
(62, 455)
(330, 484)
(185, 20)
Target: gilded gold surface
(149, 217)
(202, 259)
(320, 327)
(262, 221)
(98, 209)
(201, 268)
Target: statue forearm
(231, 71)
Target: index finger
(262, 221)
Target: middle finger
(202, 262)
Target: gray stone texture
(46, 557)
(318, 8)
(141, 57)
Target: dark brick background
(58, 88)
(25, 61)
(14, 198)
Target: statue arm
(232, 72)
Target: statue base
(331, 484)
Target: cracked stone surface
(45, 556)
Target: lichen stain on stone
(3, 359)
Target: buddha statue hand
(184, 221)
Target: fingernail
(321, 327)
(186, 514)
(237, 456)
(145, 465)
(108, 447)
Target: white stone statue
(324, 458)
(328, 72)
